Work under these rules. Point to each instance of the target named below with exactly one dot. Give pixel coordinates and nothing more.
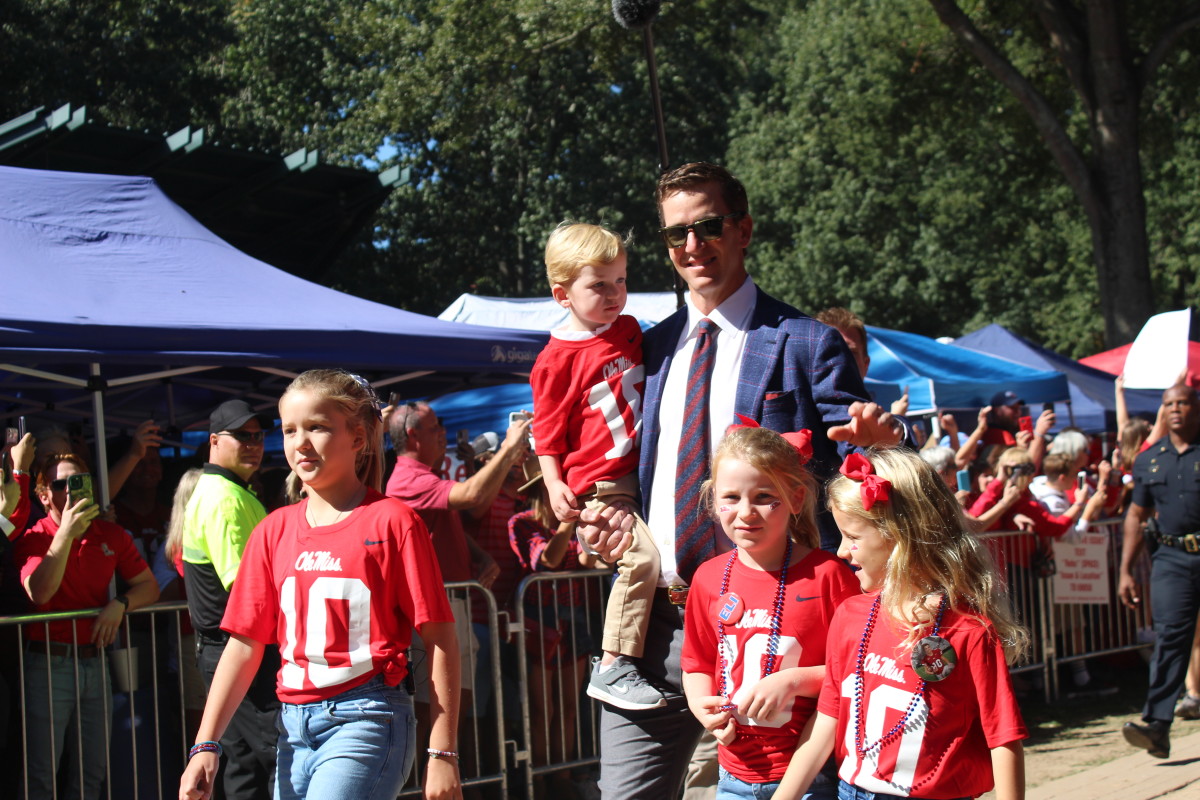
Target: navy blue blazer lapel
(764, 343)
(658, 349)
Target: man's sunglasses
(59, 485)
(245, 437)
(706, 230)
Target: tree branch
(1063, 150)
(1188, 18)
(1061, 21)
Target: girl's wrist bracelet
(205, 747)
(435, 753)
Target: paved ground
(1134, 777)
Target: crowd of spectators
(1009, 472)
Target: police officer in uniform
(1166, 494)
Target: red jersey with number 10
(587, 398)
(340, 600)
(945, 748)
(816, 584)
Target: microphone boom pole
(632, 14)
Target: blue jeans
(733, 788)
(55, 717)
(848, 791)
(359, 744)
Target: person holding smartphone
(66, 562)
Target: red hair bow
(856, 467)
(801, 440)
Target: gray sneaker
(621, 685)
(1188, 707)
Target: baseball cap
(1004, 399)
(233, 414)
(487, 442)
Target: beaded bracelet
(435, 753)
(205, 747)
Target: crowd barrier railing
(533, 662)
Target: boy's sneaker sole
(597, 693)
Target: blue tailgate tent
(1093, 403)
(110, 289)
(945, 376)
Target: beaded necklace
(776, 620)
(918, 696)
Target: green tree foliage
(142, 63)
(902, 180)
(888, 170)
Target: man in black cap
(219, 518)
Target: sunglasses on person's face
(706, 230)
(59, 485)
(245, 437)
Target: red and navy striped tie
(694, 527)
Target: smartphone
(11, 436)
(964, 480)
(1025, 424)
(21, 427)
(464, 437)
(79, 486)
(517, 416)
(394, 399)
(1081, 480)
(1047, 406)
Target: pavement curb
(1136, 776)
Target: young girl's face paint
(750, 510)
(865, 548)
(318, 440)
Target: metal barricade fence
(482, 741)
(538, 656)
(143, 735)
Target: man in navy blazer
(791, 373)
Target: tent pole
(96, 385)
(1070, 412)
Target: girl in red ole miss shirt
(337, 582)
(758, 616)
(917, 700)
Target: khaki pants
(628, 611)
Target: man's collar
(228, 474)
(733, 314)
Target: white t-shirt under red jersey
(340, 600)
(945, 750)
(587, 398)
(816, 585)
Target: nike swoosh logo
(369, 542)
(800, 599)
(619, 689)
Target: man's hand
(900, 406)
(1129, 591)
(981, 421)
(607, 531)
(23, 452)
(869, 425)
(1023, 522)
(949, 424)
(76, 519)
(145, 436)
(563, 501)
(1024, 438)
(1045, 422)
(108, 623)
(518, 435)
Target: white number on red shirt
(357, 646)
(882, 699)
(601, 398)
(752, 665)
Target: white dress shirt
(733, 318)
